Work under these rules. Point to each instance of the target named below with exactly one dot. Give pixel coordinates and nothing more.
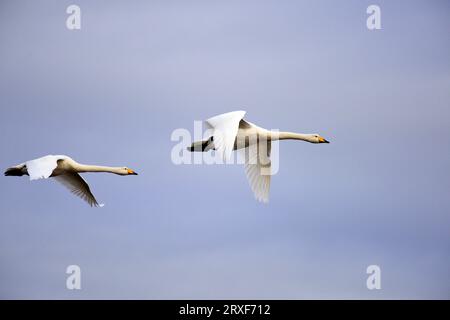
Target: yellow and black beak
(323, 140)
(132, 172)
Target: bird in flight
(66, 171)
(231, 132)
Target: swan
(66, 171)
(231, 132)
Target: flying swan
(66, 171)
(231, 132)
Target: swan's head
(317, 138)
(127, 171)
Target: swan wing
(258, 168)
(225, 128)
(42, 168)
(78, 186)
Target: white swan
(66, 171)
(231, 132)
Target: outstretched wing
(225, 128)
(76, 184)
(42, 168)
(258, 168)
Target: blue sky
(113, 92)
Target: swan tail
(15, 171)
(201, 146)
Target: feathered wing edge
(225, 128)
(78, 186)
(258, 169)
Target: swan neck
(92, 168)
(292, 136)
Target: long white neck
(90, 168)
(283, 135)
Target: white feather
(225, 128)
(258, 169)
(42, 168)
(79, 187)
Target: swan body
(231, 132)
(66, 171)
